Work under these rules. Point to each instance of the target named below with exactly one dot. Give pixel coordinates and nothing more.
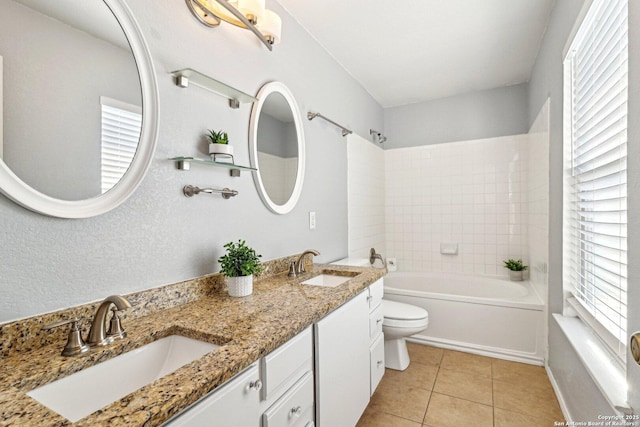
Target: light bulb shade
(253, 8)
(271, 26)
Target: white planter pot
(240, 286)
(221, 149)
(516, 276)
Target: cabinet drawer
(376, 291)
(287, 363)
(376, 354)
(375, 322)
(295, 408)
(236, 402)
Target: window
(595, 190)
(121, 124)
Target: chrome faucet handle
(75, 344)
(115, 326)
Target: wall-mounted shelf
(184, 163)
(187, 75)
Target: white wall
(366, 195)
(473, 193)
(158, 236)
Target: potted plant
(516, 269)
(239, 265)
(219, 143)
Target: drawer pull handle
(369, 298)
(297, 411)
(255, 385)
(380, 362)
(378, 321)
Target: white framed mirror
(277, 147)
(80, 83)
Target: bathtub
(486, 315)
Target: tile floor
(445, 388)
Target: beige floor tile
(522, 398)
(504, 418)
(424, 354)
(466, 362)
(447, 411)
(514, 372)
(400, 399)
(416, 375)
(376, 418)
(464, 385)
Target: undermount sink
(78, 395)
(328, 280)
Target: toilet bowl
(400, 321)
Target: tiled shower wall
(538, 206)
(471, 193)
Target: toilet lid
(400, 311)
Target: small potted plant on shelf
(239, 265)
(219, 143)
(516, 269)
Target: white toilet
(400, 321)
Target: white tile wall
(473, 193)
(366, 190)
(538, 207)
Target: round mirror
(276, 144)
(78, 105)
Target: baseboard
(559, 396)
(498, 353)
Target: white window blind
(595, 264)
(121, 125)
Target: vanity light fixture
(248, 14)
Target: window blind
(121, 125)
(596, 203)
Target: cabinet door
(342, 364)
(236, 403)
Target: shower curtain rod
(345, 131)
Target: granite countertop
(246, 329)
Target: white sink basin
(328, 280)
(78, 395)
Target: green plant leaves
(240, 260)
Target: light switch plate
(312, 220)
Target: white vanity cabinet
(236, 403)
(287, 384)
(276, 391)
(342, 364)
(376, 337)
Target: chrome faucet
(373, 256)
(97, 334)
(297, 267)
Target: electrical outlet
(312, 220)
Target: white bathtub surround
(478, 314)
(366, 190)
(538, 201)
(470, 192)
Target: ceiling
(408, 51)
